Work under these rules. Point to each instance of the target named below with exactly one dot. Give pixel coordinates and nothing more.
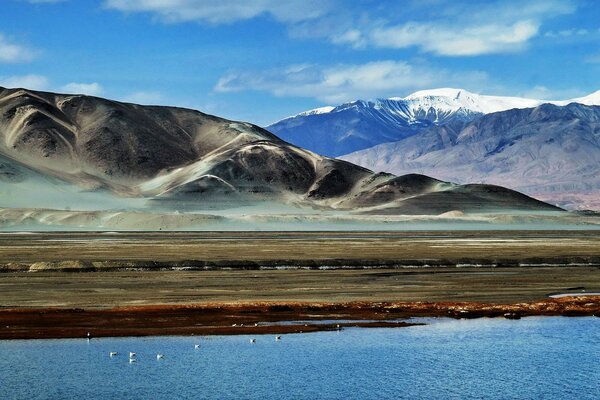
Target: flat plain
(57, 285)
(100, 270)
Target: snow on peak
(440, 92)
(472, 101)
(448, 100)
(320, 110)
(488, 104)
(314, 111)
(592, 99)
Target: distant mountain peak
(315, 111)
(360, 124)
(439, 92)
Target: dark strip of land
(262, 318)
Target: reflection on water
(463, 359)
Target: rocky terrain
(87, 153)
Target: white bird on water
(160, 356)
(252, 340)
(196, 346)
(132, 355)
(132, 360)
(112, 353)
(277, 338)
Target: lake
(536, 357)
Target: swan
(252, 340)
(112, 353)
(196, 346)
(277, 338)
(160, 356)
(132, 355)
(132, 360)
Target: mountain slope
(335, 131)
(176, 158)
(549, 151)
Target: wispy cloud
(223, 11)
(567, 33)
(456, 41)
(35, 82)
(340, 83)
(92, 89)
(11, 52)
(456, 29)
(441, 27)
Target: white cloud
(447, 28)
(35, 82)
(567, 33)
(143, 97)
(223, 11)
(456, 41)
(455, 28)
(14, 53)
(91, 89)
(341, 83)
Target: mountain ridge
(550, 151)
(175, 158)
(360, 124)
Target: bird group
(159, 356)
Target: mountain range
(550, 152)
(62, 151)
(546, 149)
(360, 124)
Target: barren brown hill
(182, 158)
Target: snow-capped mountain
(550, 152)
(449, 99)
(334, 131)
(592, 99)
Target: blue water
(533, 358)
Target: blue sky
(262, 60)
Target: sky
(263, 60)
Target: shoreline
(244, 318)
